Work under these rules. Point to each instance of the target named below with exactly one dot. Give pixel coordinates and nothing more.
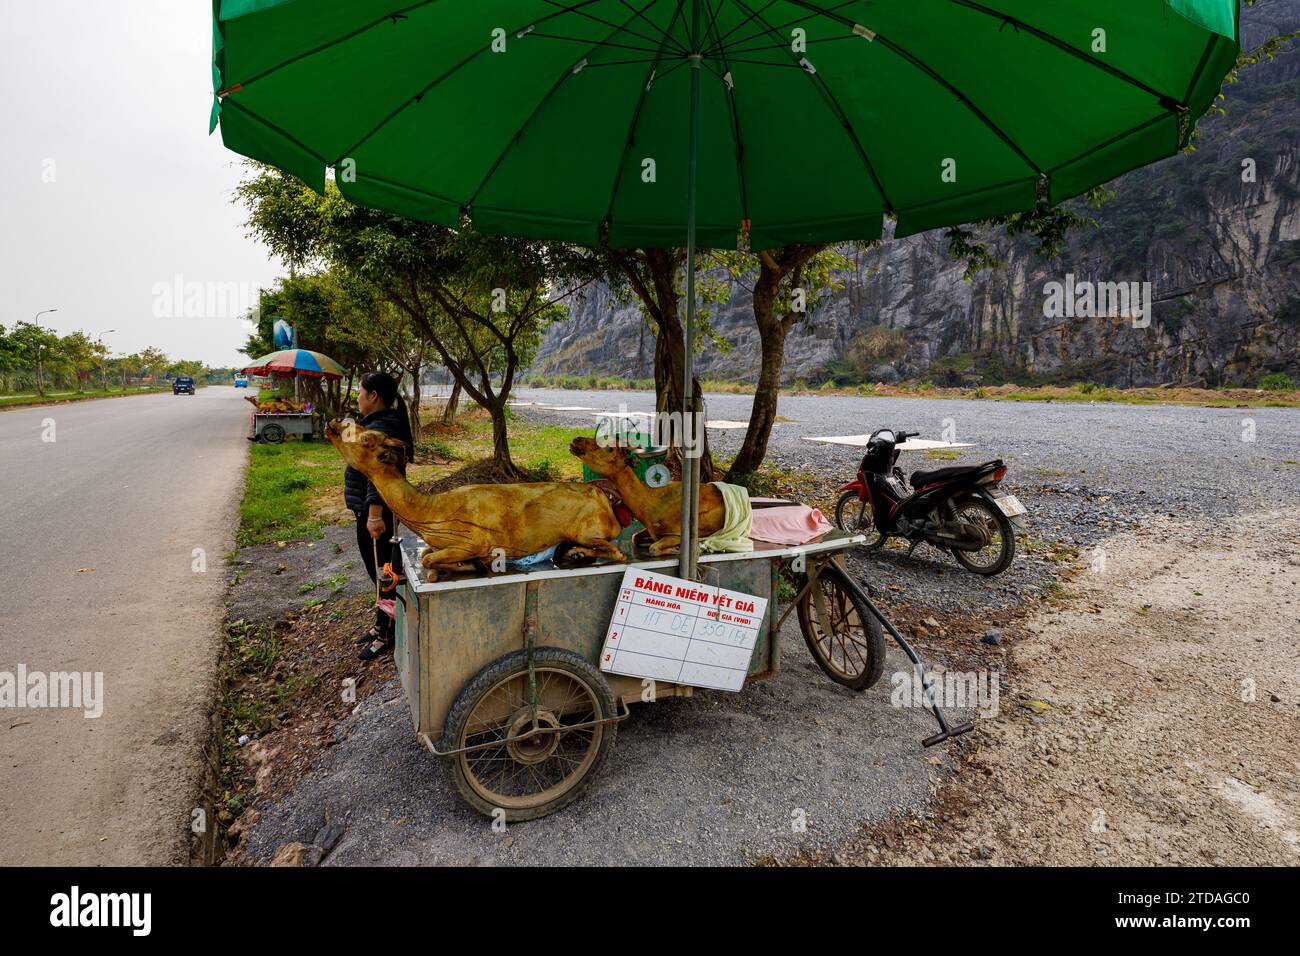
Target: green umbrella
(677, 122)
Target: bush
(432, 448)
(1277, 382)
(541, 470)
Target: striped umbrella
(296, 362)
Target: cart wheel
(273, 434)
(539, 774)
(845, 639)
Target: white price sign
(673, 630)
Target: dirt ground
(1152, 717)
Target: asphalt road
(101, 576)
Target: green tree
(35, 347)
(480, 301)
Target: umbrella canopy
(296, 362)
(724, 122)
(568, 120)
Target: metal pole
(686, 564)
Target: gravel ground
(269, 581)
(713, 779)
(1084, 471)
(1165, 713)
(719, 778)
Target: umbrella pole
(690, 531)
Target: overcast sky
(110, 186)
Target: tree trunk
(453, 404)
(774, 267)
(414, 410)
(670, 354)
(501, 442)
(771, 332)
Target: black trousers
(387, 554)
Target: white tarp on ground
(724, 423)
(912, 444)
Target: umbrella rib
(282, 132)
(667, 34)
(965, 100)
(1168, 102)
(783, 26)
(1110, 142)
(393, 17)
(604, 22)
(786, 46)
(621, 46)
(465, 62)
(839, 113)
(568, 72)
(636, 117)
(934, 75)
(740, 26)
(735, 117)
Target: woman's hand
(375, 525)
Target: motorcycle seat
(920, 478)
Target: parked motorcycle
(958, 509)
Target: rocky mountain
(1215, 232)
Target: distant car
(241, 381)
(182, 384)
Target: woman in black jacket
(383, 410)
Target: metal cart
(500, 672)
(274, 427)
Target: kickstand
(946, 731)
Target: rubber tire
(1005, 530)
(503, 667)
(841, 506)
(273, 434)
(875, 634)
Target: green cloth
(817, 120)
(733, 536)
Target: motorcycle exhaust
(966, 539)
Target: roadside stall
(673, 124)
(276, 420)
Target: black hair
(385, 386)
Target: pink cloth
(794, 524)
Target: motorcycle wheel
(995, 557)
(854, 515)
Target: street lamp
(103, 372)
(40, 384)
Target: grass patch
(541, 450)
(282, 481)
(52, 398)
(1279, 395)
(770, 481)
